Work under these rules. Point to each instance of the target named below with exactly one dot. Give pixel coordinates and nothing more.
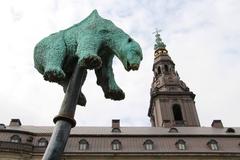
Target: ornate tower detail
(171, 104)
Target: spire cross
(157, 31)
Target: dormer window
(2, 126)
(116, 130)
(15, 139)
(148, 144)
(83, 144)
(42, 142)
(213, 145)
(173, 130)
(181, 144)
(230, 130)
(116, 145)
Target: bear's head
(126, 49)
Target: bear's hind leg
(105, 78)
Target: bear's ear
(104, 31)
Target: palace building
(175, 133)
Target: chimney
(217, 124)
(15, 123)
(115, 123)
(166, 123)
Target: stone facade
(29, 142)
(175, 133)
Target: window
(213, 145)
(173, 130)
(83, 144)
(15, 139)
(177, 113)
(116, 145)
(116, 130)
(159, 70)
(148, 144)
(2, 126)
(230, 130)
(42, 142)
(166, 68)
(181, 144)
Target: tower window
(166, 68)
(116, 145)
(42, 142)
(177, 113)
(181, 144)
(159, 70)
(148, 144)
(213, 145)
(83, 144)
(15, 139)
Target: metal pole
(65, 119)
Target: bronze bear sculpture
(91, 44)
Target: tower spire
(159, 43)
(159, 47)
(172, 103)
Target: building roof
(130, 131)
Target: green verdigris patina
(91, 44)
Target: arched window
(173, 130)
(42, 142)
(166, 68)
(181, 144)
(83, 144)
(213, 145)
(148, 144)
(230, 130)
(159, 70)
(116, 145)
(15, 139)
(177, 113)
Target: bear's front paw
(54, 75)
(117, 94)
(91, 62)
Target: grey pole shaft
(65, 119)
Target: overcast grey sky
(202, 38)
